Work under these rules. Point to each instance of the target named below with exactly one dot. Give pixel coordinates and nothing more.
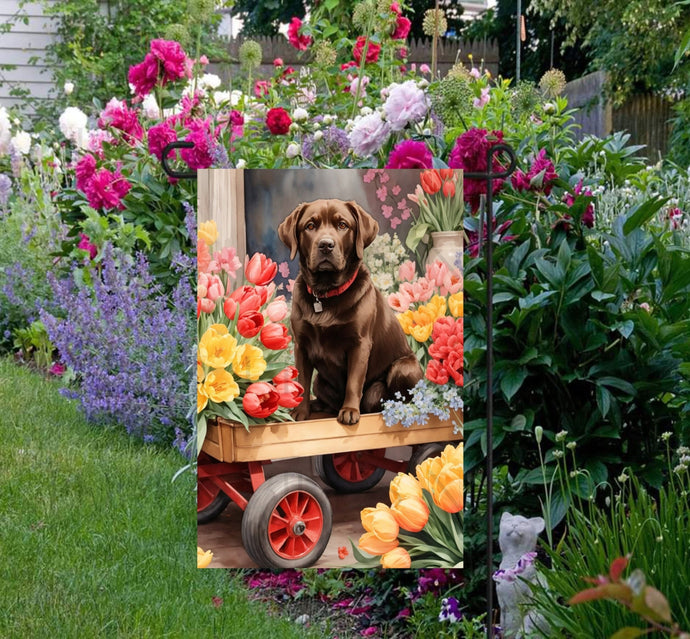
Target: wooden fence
(645, 116)
(419, 52)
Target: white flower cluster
(383, 257)
(73, 126)
(20, 142)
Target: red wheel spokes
(295, 525)
(351, 468)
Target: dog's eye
(310, 226)
(342, 226)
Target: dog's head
(329, 234)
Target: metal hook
(180, 175)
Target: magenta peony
(410, 154)
(470, 155)
(117, 115)
(85, 169)
(165, 62)
(159, 136)
(540, 177)
(300, 42)
(106, 189)
(201, 155)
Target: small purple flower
(450, 610)
(5, 188)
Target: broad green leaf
(629, 632)
(512, 381)
(641, 213)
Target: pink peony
(470, 155)
(85, 169)
(159, 136)
(118, 115)
(106, 189)
(57, 369)
(410, 154)
(200, 156)
(300, 42)
(540, 177)
(262, 88)
(96, 139)
(406, 104)
(226, 260)
(588, 216)
(165, 62)
(85, 244)
(675, 216)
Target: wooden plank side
(318, 437)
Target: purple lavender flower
(5, 188)
(128, 344)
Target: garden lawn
(95, 539)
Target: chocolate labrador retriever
(341, 324)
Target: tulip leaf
(416, 234)
(200, 432)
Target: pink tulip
(407, 271)
(277, 310)
(399, 302)
(260, 269)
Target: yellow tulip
(217, 348)
(437, 306)
(452, 454)
(411, 513)
(406, 322)
(249, 362)
(380, 522)
(422, 332)
(396, 558)
(404, 485)
(455, 304)
(370, 543)
(200, 374)
(220, 386)
(203, 559)
(208, 232)
(447, 493)
(201, 398)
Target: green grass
(95, 540)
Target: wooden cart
(287, 519)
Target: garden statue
(517, 539)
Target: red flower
(449, 188)
(275, 336)
(278, 62)
(373, 50)
(470, 154)
(436, 372)
(260, 269)
(431, 181)
(260, 400)
(402, 28)
(410, 154)
(300, 42)
(342, 552)
(347, 65)
(248, 298)
(286, 375)
(291, 394)
(278, 121)
(262, 88)
(250, 323)
(454, 372)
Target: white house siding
(22, 43)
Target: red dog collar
(333, 292)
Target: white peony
(300, 114)
(369, 133)
(73, 125)
(21, 142)
(69, 88)
(209, 81)
(292, 151)
(4, 131)
(150, 107)
(220, 97)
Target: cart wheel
(422, 452)
(287, 522)
(210, 501)
(347, 473)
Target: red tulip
(446, 174)
(275, 336)
(248, 298)
(260, 400)
(250, 323)
(286, 375)
(229, 308)
(291, 394)
(431, 182)
(449, 188)
(260, 269)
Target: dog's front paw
(348, 416)
(301, 413)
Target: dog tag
(318, 307)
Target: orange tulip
(411, 513)
(396, 558)
(427, 472)
(404, 485)
(431, 181)
(452, 454)
(380, 522)
(370, 543)
(449, 189)
(447, 493)
(446, 174)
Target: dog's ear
(367, 227)
(287, 231)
